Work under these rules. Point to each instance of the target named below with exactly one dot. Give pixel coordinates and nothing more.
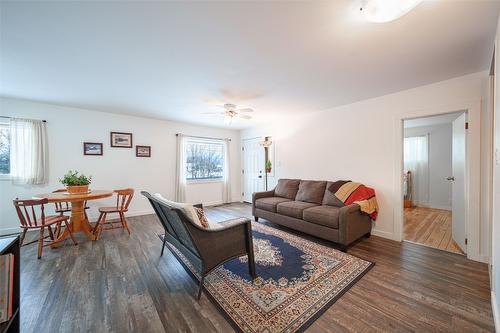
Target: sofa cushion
(330, 199)
(269, 203)
(311, 191)
(327, 216)
(287, 188)
(293, 208)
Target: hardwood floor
(120, 284)
(430, 227)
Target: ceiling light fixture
(381, 11)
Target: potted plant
(76, 183)
(269, 166)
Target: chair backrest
(174, 222)
(65, 205)
(27, 213)
(123, 198)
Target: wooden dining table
(78, 221)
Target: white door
(458, 182)
(253, 168)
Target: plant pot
(268, 170)
(77, 189)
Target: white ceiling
(446, 118)
(174, 60)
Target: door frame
(242, 162)
(472, 172)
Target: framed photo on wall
(143, 151)
(121, 140)
(92, 148)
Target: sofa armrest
(225, 240)
(353, 224)
(258, 195)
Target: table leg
(79, 223)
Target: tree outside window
(204, 160)
(4, 149)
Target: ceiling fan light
(228, 120)
(381, 11)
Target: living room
(284, 120)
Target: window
(204, 160)
(4, 149)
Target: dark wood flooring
(120, 284)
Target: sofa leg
(256, 219)
(368, 235)
(343, 248)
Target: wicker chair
(206, 249)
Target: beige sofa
(309, 206)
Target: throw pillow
(203, 219)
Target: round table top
(65, 197)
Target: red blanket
(350, 192)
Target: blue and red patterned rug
(297, 281)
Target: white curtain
(226, 196)
(28, 151)
(180, 174)
(416, 160)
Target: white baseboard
(9, 231)
(93, 216)
(383, 234)
(478, 257)
(496, 314)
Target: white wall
(360, 141)
(495, 251)
(440, 167)
(69, 127)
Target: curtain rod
(13, 117)
(200, 137)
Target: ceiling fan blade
(217, 112)
(244, 110)
(244, 116)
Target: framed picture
(143, 151)
(92, 148)
(121, 140)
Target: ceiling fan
(231, 111)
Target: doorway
(253, 167)
(434, 167)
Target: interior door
(253, 168)
(458, 182)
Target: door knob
(450, 178)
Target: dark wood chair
(206, 249)
(27, 213)
(123, 199)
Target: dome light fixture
(381, 11)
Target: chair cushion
(330, 199)
(327, 216)
(293, 208)
(311, 191)
(287, 188)
(269, 203)
(187, 209)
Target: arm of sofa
(353, 224)
(258, 195)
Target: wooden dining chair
(123, 199)
(27, 213)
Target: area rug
(297, 281)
